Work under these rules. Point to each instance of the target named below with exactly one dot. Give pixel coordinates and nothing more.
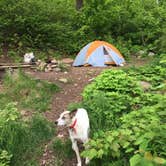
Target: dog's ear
(64, 114)
(72, 113)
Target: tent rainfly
(99, 54)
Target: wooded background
(67, 25)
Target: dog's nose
(56, 122)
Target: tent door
(107, 58)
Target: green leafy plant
(127, 122)
(4, 158)
(19, 138)
(112, 94)
(137, 134)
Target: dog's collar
(72, 126)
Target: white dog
(78, 127)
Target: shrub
(18, 139)
(35, 24)
(113, 81)
(47, 24)
(127, 122)
(154, 73)
(141, 133)
(112, 94)
(115, 92)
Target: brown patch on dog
(72, 113)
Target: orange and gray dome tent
(99, 54)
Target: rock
(141, 52)
(53, 65)
(23, 113)
(45, 154)
(91, 79)
(67, 60)
(145, 85)
(54, 61)
(121, 64)
(151, 54)
(64, 80)
(57, 69)
(38, 62)
(49, 67)
(42, 66)
(50, 151)
(44, 162)
(60, 136)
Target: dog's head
(64, 119)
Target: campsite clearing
(78, 78)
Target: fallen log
(8, 63)
(4, 66)
(16, 66)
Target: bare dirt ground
(77, 78)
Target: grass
(29, 93)
(62, 150)
(22, 138)
(63, 67)
(39, 131)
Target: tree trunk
(79, 4)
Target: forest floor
(74, 81)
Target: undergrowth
(62, 151)
(20, 140)
(127, 121)
(29, 93)
(22, 135)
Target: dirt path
(76, 79)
